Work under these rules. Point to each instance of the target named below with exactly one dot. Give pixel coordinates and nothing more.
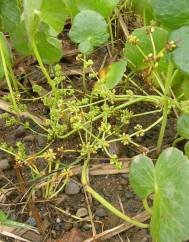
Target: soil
(115, 188)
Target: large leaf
(89, 30)
(183, 125)
(10, 15)
(133, 53)
(114, 73)
(49, 46)
(136, 53)
(54, 13)
(144, 8)
(181, 53)
(170, 220)
(4, 46)
(172, 13)
(104, 7)
(71, 7)
(31, 16)
(37, 25)
(20, 39)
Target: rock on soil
(100, 212)
(72, 188)
(4, 164)
(82, 212)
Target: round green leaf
(9, 11)
(104, 7)
(170, 220)
(172, 13)
(115, 73)
(134, 55)
(89, 26)
(54, 13)
(183, 125)
(141, 176)
(181, 53)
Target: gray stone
(100, 212)
(4, 164)
(125, 175)
(72, 188)
(42, 140)
(31, 221)
(20, 132)
(29, 138)
(82, 212)
(68, 226)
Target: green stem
(104, 202)
(43, 69)
(8, 79)
(147, 208)
(84, 74)
(111, 33)
(168, 82)
(176, 141)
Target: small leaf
(183, 125)
(115, 73)
(89, 26)
(141, 176)
(104, 7)
(186, 149)
(9, 11)
(54, 13)
(171, 13)
(181, 53)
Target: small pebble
(4, 164)
(31, 221)
(72, 188)
(58, 220)
(20, 132)
(68, 226)
(129, 195)
(125, 176)
(100, 212)
(42, 140)
(29, 138)
(87, 227)
(82, 212)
